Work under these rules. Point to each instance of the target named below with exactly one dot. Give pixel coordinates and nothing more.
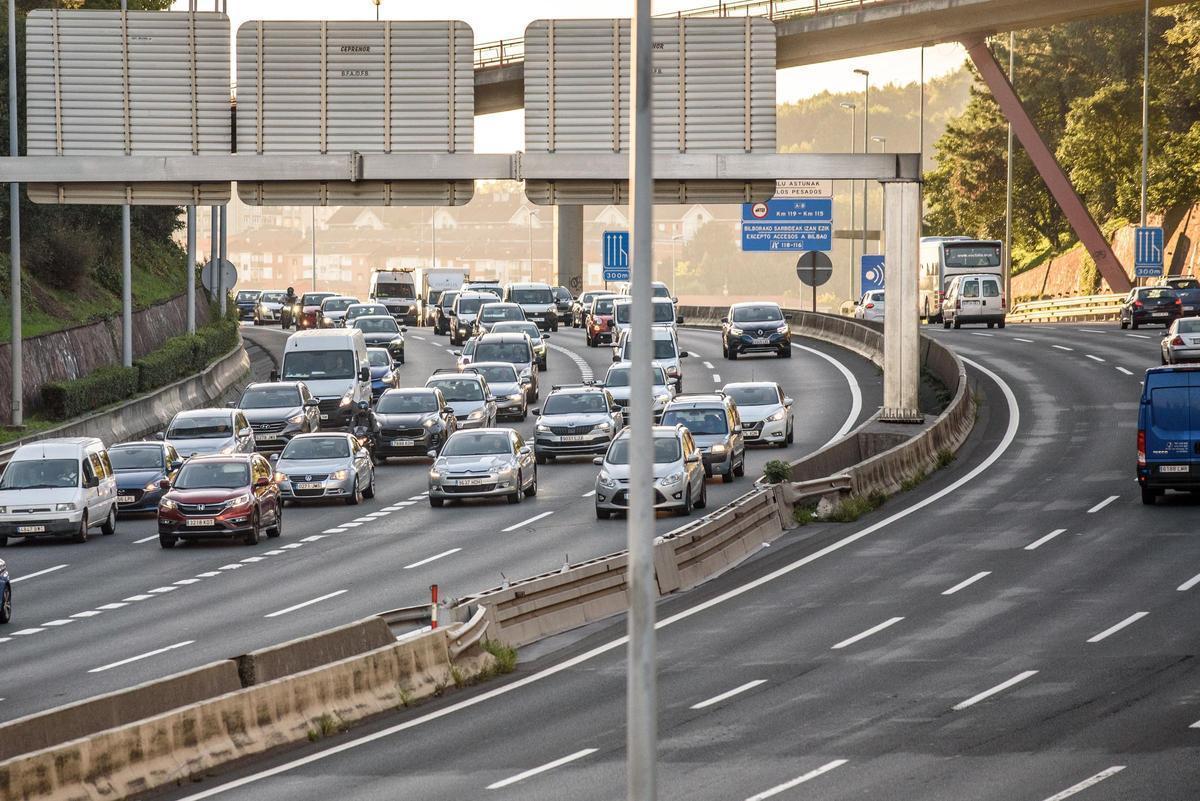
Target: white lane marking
(1123, 370)
(162, 590)
(1111, 630)
(185, 582)
(24, 632)
(363, 519)
(272, 553)
(999, 688)
(1033, 546)
(292, 545)
(132, 598)
(1018, 339)
(716, 699)
(377, 515)
(208, 574)
(252, 559)
(88, 613)
(313, 538)
(145, 539)
(585, 369)
(59, 622)
(865, 634)
(418, 497)
(318, 600)
(1195, 725)
(1062, 347)
(708, 366)
(1092, 331)
(1187, 585)
(963, 584)
(1102, 504)
(855, 392)
(234, 566)
(1086, 783)
(112, 606)
(524, 523)
(1138, 336)
(812, 774)
(716, 378)
(588, 494)
(350, 524)
(403, 504)
(542, 768)
(417, 337)
(1093, 358)
(338, 530)
(980, 334)
(1010, 434)
(146, 655)
(38, 573)
(433, 558)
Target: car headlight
(280, 478)
(661, 400)
(673, 371)
(516, 396)
(526, 373)
(779, 415)
(783, 329)
(737, 332)
(297, 418)
(3, 510)
(346, 400)
(543, 429)
(430, 423)
(717, 450)
(151, 486)
(340, 475)
(389, 379)
(671, 479)
(328, 320)
(64, 507)
(476, 415)
(241, 500)
(398, 342)
(605, 427)
(606, 480)
(166, 503)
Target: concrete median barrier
(303, 653)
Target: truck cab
(1168, 433)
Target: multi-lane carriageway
(1017, 627)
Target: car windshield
(206, 427)
(494, 311)
(447, 299)
(1189, 326)
(619, 377)
(663, 348)
(531, 296)
(316, 448)
(1185, 283)
(576, 403)
(603, 306)
(666, 451)
(873, 297)
(515, 352)
(459, 389)
(477, 443)
(378, 357)
(272, 297)
(313, 298)
(469, 305)
(660, 291)
(664, 312)
(213, 475)
(303, 365)
(407, 403)
(41, 474)
(562, 293)
(497, 373)
(491, 290)
(519, 327)
(365, 311)
(141, 458)
(247, 295)
(270, 398)
(753, 396)
(376, 325)
(698, 421)
(757, 314)
(393, 289)
(434, 296)
(338, 304)
(623, 312)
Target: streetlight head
(850, 106)
(862, 72)
(880, 139)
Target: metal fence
(1079, 309)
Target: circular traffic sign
(229, 276)
(759, 210)
(814, 268)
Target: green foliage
(913, 481)
(506, 655)
(855, 506)
(803, 515)
(945, 457)
(66, 399)
(777, 471)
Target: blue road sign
(1148, 252)
(818, 209)
(787, 236)
(872, 273)
(616, 255)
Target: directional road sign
(764, 235)
(803, 187)
(1148, 252)
(616, 255)
(792, 210)
(872, 273)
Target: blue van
(1168, 437)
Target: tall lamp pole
(377, 10)
(1145, 107)
(882, 142)
(853, 109)
(1008, 189)
(532, 214)
(675, 240)
(314, 248)
(14, 227)
(866, 74)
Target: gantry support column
(568, 247)
(901, 324)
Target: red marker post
(433, 615)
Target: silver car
(506, 386)
(1181, 342)
(576, 420)
(333, 311)
(278, 411)
(317, 467)
(678, 473)
(469, 395)
(486, 463)
(616, 381)
(205, 431)
(765, 411)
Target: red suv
(220, 497)
(310, 309)
(600, 321)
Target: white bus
(943, 257)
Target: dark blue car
(5, 594)
(139, 466)
(247, 301)
(383, 371)
(1168, 436)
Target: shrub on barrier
(856, 506)
(175, 359)
(506, 656)
(66, 399)
(777, 471)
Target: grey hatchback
(715, 424)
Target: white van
(662, 311)
(396, 290)
(974, 298)
(666, 352)
(56, 487)
(537, 301)
(333, 363)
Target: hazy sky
(501, 19)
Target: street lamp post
(1008, 186)
(532, 214)
(882, 142)
(853, 109)
(866, 135)
(314, 248)
(1145, 107)
(674, 262)
(377, 10)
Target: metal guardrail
(470, 633)
(508, 51)
(1082, 308)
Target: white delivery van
(662, 312)
(56, 487)
(397, 290)
(333, 363)
(974, 298)
(431, 283)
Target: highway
(119, 610)
(1017, 627)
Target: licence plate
(761, 341)
(1173, 468)
(201, 522)
(750, 435)
(574, 437)
(309, 485)
(324, 417)
(30, 529)
(403, 443)
(265, 436)
(469, 482)
(125, 499)
(1159, 314)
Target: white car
(62, 486)
(765, 411)
(616, 381)
(666, 352)
(662, 312)
(870, 307)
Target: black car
(441, 312)
(1188, 289)
(383, 332)
(247, 301)
(411, 422)
(564, 305)
(1157, 305)
(755, 327)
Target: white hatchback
(870, 306)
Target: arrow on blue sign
(1148, 252)
(616, 255)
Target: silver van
(335, 366)
(974, 298)
(62, 486)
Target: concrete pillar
(901, 328)
(568, 247)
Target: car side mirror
(788, 401)
(431, 454)
(737, 429)
(274, 375)
(598, 460)
(160, 435)
(364, 374)
(456, 352)
(274, 457)
(724, 319)
(245, 432)
(537, 412)
(164, 484)
(175, 465)
(312, 403)
(683, 354)
(525, 450)
(231, 404)
(693, 458)
(616, 357)
(491, 398)
(404, 329)
(262, 482)
(545, 336)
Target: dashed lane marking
(1123, 370)
(333, 530)
(725, 696)
(863, 635)
(28, 576)
(303, 604)
(1086, 783)
(1102, 504)
(1187, 585)
(524, 523)
(812, 774)
(1093, 358)
(433, 558)
(999, 688)
(967, 583)
(542, 768)
(1111, 630)
(145, 539)
(1033, 546)
(1062, 347)
(1027, 341)
(146, 655)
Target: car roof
(471, 293)
(528, 285)
(747, 384)
(319, 434)
(508, 303)
(502, 336)
(657, 431)
(747, 303)
(487, 364)
(453, 376)
(222, 457)
(698, 400)
(627, 364)
(274, 385)
(55, 446)
(343, 297)
(188, 413)
(374, 317)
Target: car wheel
(369, 492)
(6, 605)
(3, 541)
(786, 351)
(1124, 325)
(686, 509)
(702, 503)
(728, 477)
(1133, 324)
(532, 491)
(166, 541)
(1149, 496)
(277, 529)
(733, 354)
(789, 439)
(82, 534)
(1000, 324)
(540, 458)
(251, 536)
(957, 324)
(991, 325)
(945, 323)
(436, 503)
(740, 469)
(110, 523)
(602, 514)
(356, 497)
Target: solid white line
(716, 699)
(1123, 370)
(1033, 546)
(1062, 347)
(432, 558)
(146, 655)
(999, 688)
(542, 769)
(524, 523)
(588, 494)
(1093, 358)
(1018, 339)
(325, 597)
(1102, 504)
(1010, 434)
(855, 392)
(863, 635)
(1187, 585)
(1138, 336)
(1134, 618)
(708, 366)
(812, 774)
(967, 583)
(145, 539)
(38, 573)
(1086, 783)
